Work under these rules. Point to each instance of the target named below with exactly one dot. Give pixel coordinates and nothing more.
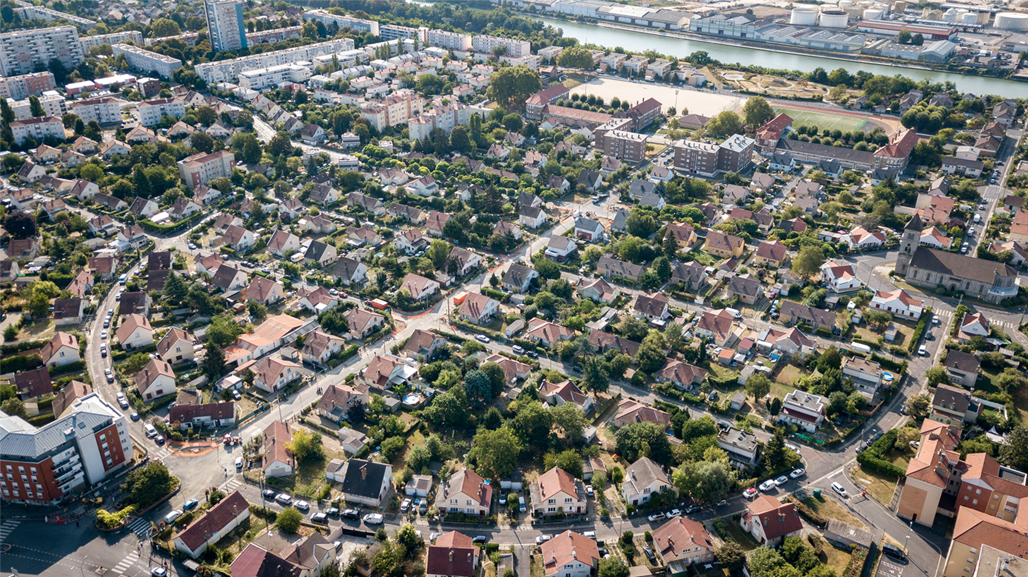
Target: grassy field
(822, 120)
(744, 539)
(836, 558)
(827, 507)
(881, 486)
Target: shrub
(856, 565)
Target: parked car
(655, 517)
(284, 499)
(767, 485)
(190, 505)
(170, 517)
(320, 518)
(532, 354)
(269, 494)
(373, 519)
(482, 339)
(350, 514)
(518, 350)
(674, 513)
(749, 493)
(542, 539)
(479, 539)
(840, 490)
(405, 506)
(797, 473)
(303, 506)
(158, 572)
(649, 554)
(781, 480)
(691, 509)
(893, 551)
(332, 512)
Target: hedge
(22, 363)
(75, 367)
(23, 345)
(872, 457)
(807, 513)
(919, 329)
(856, 565)
(889, 363)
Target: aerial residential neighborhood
(400, 288)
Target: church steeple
(908, 244)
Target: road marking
(230, 485)
(7, 528)
(140, 527)
(126, 563)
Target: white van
(977, 218)
(123, 279)
(151, 432)
(734, 313)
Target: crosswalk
(8, 527)
(127, 562)
(946, 316)
(141, 527)
(229, 486)
(160, 453)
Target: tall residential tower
(225, 25)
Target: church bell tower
(908, 244)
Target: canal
(728, 55)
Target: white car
(840, 490)
(542, 539)
(656, 517)
(767, 485)
(922, 351)
(781, 480)
(103, 335)
(482, 339)
(674, 513)
(797, 473)
(373, 519)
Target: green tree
(569, 461)
(1015, 452)
(21, 224)
(39, 305)
(904, 37)
(763, 561)
(289, 520)
(726, 123)
(223, 330)
(758, 385)
(650, 357)
(807, 263)
(35, 108)
(511, 86)
(757, 111)
(576, 57)
(596, 374)
(257, 310)
(937, 376)
(478, 388)
(644, 440)
(247, 147)
(495, 453)
(175, 289)
(148, 484)
(774, 406)
(91, 172)
(613, 567)
(15, 407)
(732, 556)
(306, 445)
(206, 115)
(280, 144)
(774, 451)
(438, 251)
(459, 140)
(214, 362)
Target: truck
(378, 304)
(459, 298)
(860, 347)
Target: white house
(770, 521)
(62, 349)
(899, 303)
(465, 492)
(840, 277)
(478, 308)
(273, 374)
(556, 492)
(239, 238)
(283, 242)
(531, 216)
(277, 460)
(135, 332)
(643, 479)
(862, 239)
(805, 410)
(176, 347)
(155, 380)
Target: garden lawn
(836, 558)
(988, 382)
(828, 508)
(787, 376)
(744, 539)
(881, 487)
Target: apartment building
(341, 21)
(24, 51)
(395, 32)
(21, 87)
(735, 153)
(537, 102)
(53, 105)
(150, 112)
(262, 78)
(229, 70)
(45, 465)
(88, 42)
(393, 111)
(512, 48)
(628, 146)
(804, 410)
(104, 110)
(148, 61)
(893, 157)
(274, 35)
(694, 157)
(29, 11)
(38, 129)
(448, 40)
(444, 117)
(201, 169)
(225, 25)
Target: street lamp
(81, 572)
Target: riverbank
(737, 52)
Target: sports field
(804, 117)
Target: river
(640, 42)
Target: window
(975, 502)
(977, 491)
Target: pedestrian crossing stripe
(8, 527)
(126, 562)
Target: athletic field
(804, 117)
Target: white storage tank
(1011, 21)
(834, 18)
(844, 4)
(804, 16)
(872, 14)
(971, 18)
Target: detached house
(557, 394)
(466, 492)
(570, 555)
(238, 238)
(273, 374)
(423, 343)
(682, 542)
(363, 482)
(519, 277)
(350, 271)
(557, 492)
(176, 347)
(155, 380)
(320, 254)
(283, 242)
(319, 347)
(419, 287)
(770, 521)
(643, 479)
(899, 303)
(265, 291)
(805, 410)
(363, 322)
(478, 308)
(135, 332)
(531, 217)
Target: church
(986, 280)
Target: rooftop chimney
(364, 471)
